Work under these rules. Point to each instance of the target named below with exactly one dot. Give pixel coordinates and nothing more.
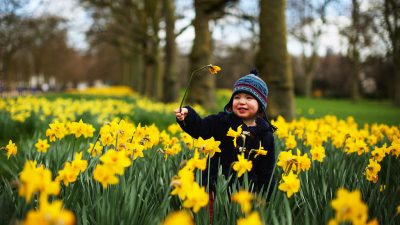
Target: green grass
(364, 111)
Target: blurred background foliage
(139, 44)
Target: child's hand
(181, 113)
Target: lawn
(364, 111)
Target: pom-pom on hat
(251, 84)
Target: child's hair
(252, 84)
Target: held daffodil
(212, 69)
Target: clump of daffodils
(71, 170)
(292, 165)
(349, 207)
(36, 179)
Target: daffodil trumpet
(211, 68)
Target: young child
(246, 108)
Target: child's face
(245, 106)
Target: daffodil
(209, 146)
(42, 145)
(286, 160)
(11, 149)
(174, 128)
(36, 179)
(50, 213)
(117, 161)
(242, 165)
(252, 219)
(379, 153)
(196, 162)
(180, 217)
(395, 147)
(183, 183)
(290, 142)
(260, 151)
(372, 170)
(234, 134)
(95, 149)
(290, 184)
(56, 130)
(196, 198)
(318, 153)
(349, 207)
(105, 175)
(212, 69)
(243, 198)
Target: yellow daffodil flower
(260, 151)
(290, 184)
(349, 207)
(243, 198)
(95, 150)
(105, 175)
(196, 198)
(209, 146)
(42, 145)
(50, 213)
(252, 219)
(11, 149)
(234, 134)
(242, 165)
(214, 69)
(36, 179)
(180, 217)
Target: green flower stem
(188, 84)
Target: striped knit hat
(251, 84)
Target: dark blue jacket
(217, 126)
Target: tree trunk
(137, 72)
(153, 8)
(354, 54)
(396, 59)
(392, 22)
(273, 60)
(308, 64)
(171, 88)
(202, 88)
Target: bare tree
(309, 19)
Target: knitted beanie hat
(250, 84)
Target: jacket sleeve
(265, 164)
(197, 127)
